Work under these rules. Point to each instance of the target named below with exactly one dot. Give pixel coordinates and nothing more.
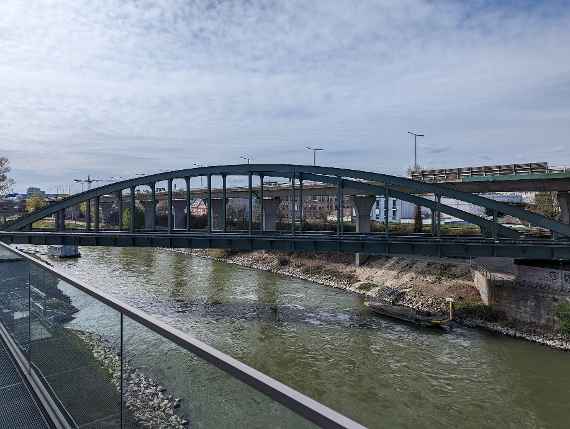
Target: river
(323, 342)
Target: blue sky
(119, 87)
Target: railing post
(97, 204)
(495, 230)
(132, 214)
(88, 214)
(292, 205)
(188, 204)
(209, 203)
(29, 319)
(153, 203)
(169, 204)
(301, 208)
(250, 202)
(386, 211)
(224, 201)
(261, 208)
(120, 200)
(438, 214)
(339, 206)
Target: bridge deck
(376, 243)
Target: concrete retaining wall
(532, 297)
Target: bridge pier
(179, 211)
(107, 208)
(270, 213)
(218, 214)
(363, 206)
(563, 199)
(149, 214)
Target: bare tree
(5, 182)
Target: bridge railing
(94, 361)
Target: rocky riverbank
(419, 283)
(147, 401)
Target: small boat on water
(410, 315)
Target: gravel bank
(148, 402)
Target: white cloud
(111, 87)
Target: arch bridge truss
(362, 187)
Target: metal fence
(96, 362)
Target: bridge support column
(179, 209)
(97, 208)
(88, 215)
(60, 220)
(120, 204)
(270, 214)
(218, 214)
(363, 206)
(563, 199)
(149, 208)
(106, 211)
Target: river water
(323, 342)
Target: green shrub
(563, 314)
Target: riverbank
(419, 283)
(147, 401)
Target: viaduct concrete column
(563, 199)
(270, 213)
(179, 209)
(363, 206)
(217, 214)
(149, 213)
(106, 211)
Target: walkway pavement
(18, 408)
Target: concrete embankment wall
(533, 295)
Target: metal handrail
(295, 401)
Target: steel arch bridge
(361, 186)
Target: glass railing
(100, 363)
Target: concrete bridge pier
(149, 214)
(363, 206)
(107, 208)
(563, 199)
(179, 210)
(217, 214)
(270, 213)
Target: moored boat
(410, 315)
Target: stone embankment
(419, 283)
(423, 284)
(147, 401)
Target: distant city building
(198, 208)
(35, 192)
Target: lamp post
(247, 158)
(416, 135)
(315, 150)
(195, 164)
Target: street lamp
(315, 150)
(195, 164)
(416, 135)
(247, 158)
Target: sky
(114, 88)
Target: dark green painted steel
(316, 242)
(400, 184)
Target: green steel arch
(369, 182)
